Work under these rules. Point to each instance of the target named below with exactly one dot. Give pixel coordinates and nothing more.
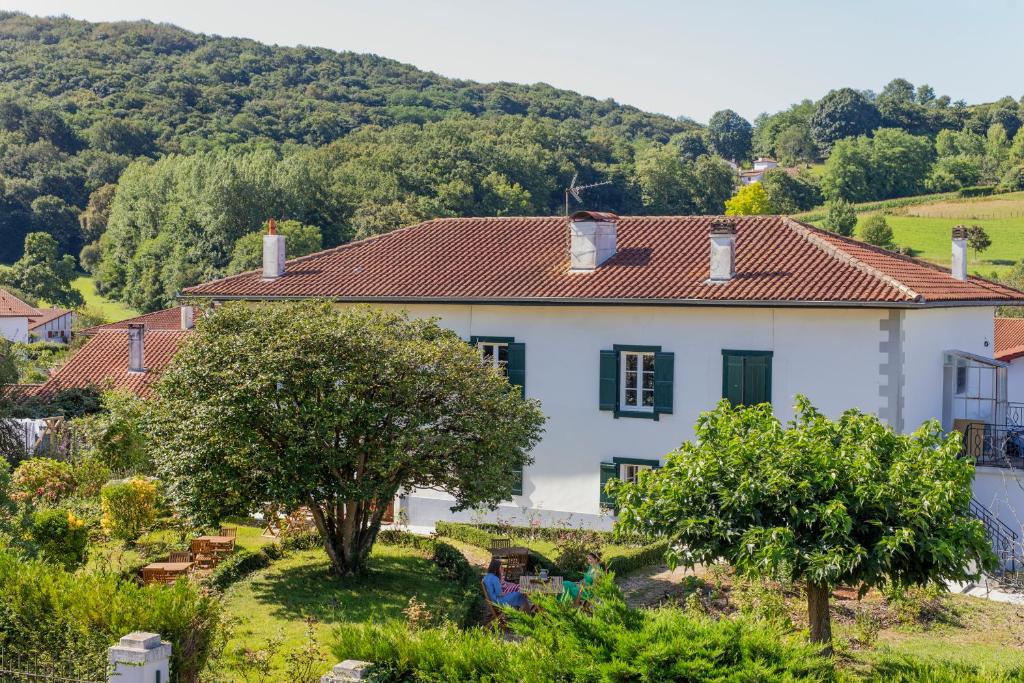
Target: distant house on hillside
(754, 175)
(20, 322)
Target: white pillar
(140, 658)
(959, 269)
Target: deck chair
(500, 543)
(497, 617)
(180, 556)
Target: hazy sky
(679, 58)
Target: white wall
(14, 329)
(1015, 380)
(1001, 490)
(61, 325)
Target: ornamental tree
(824, 502)
(750, 200)
(304, 405)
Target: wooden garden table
(502, 553)
(219, 544)
(161, 571)
(533, 584)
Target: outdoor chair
(496, 616)
(500, 544)
(231, 531)
(180, 556)
(515, 565)
(202, 550)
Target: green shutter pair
(610, 470)
(516, 372)
(747, 377)
(664, 371)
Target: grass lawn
(271, 608)
(109, 309)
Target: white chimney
(188, 317)
(273, 252)
(723, 250)
(959, 269)
(136, 347)
(592, 239)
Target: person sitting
(496, 593)
(580, 590)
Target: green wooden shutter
(732, 378)
(517, 482)
(757, 380)
(664, 368)
(609, 470)
(608, 393)
(516, 367)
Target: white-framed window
(629, 472)
(636, 381)
(494, 355)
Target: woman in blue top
(492, 584)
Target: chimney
(723, 250)
(188, 317)
(592, 238)
(273, 252)
(136, 350)
(959, 269)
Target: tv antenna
(577, 190)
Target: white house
(627, 328)
(14, 316)
(51, 324)
(754, 175)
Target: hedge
(977, 191)
(637, 558)
(241, 563)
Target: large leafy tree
(751, 200)
(303, 405)
(42, 273)
(820, 501)
(841, 114)
(730, 135)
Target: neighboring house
(51, 324)
(1010, 349)
(754, 175)
(176, 318)
(129, 358)
(608, 319)
(14, 317)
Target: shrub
(60, 536)
(42, 480)
(465, 533)
(303, 540)
(875, 230)
(240, 564)
(115, 435)
(90, 476)
(573, 547)
(840, 217)
(637, 558)
(54, 617)
(129, 507)
(615, 643)
(977, 191)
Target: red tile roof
(660, 259)
(12, 306)
(46, 315)
(167, 319)
(102, 363)
(1009, 338)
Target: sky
(682, 58)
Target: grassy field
(278, 611)
(925, 228)
(109, 309)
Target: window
(747, 377)
(625, 469)
(636, 381)
(494, 355)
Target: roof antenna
(577, 190)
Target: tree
(42, 274)
(665, 181)
(893, 163)
(304, 405)
(824, 502)
(876, 231)
(299, 240)
(790, 193)
(794, 144)
(730, 135)
(840, 217)
(692, 144)
(54, 216)
(751, 200)
(93, 221)
(842, 114)
(978, 239)
(715, 182)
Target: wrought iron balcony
(995, 445)
(1015, 414)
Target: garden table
(502, 553)
(164, 571)
(219, 544)
(534, 584)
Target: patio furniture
(202, 550)
(231, 531)
(528, 583)
(515, 565)
(180, 556)
(500, 544)
(220, 545)
(497, 617)
(164, 572)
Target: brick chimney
(273, 252)
(723, 250)
(136, 347)
(959, 269)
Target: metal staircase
(1005, 544)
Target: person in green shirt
(580, 590)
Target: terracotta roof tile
(166, 319)
(12, 306)
(1009, 338)
(45, 315)
(103, 363)
(659, 259)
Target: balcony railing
(995, 445)
(1015, 414)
